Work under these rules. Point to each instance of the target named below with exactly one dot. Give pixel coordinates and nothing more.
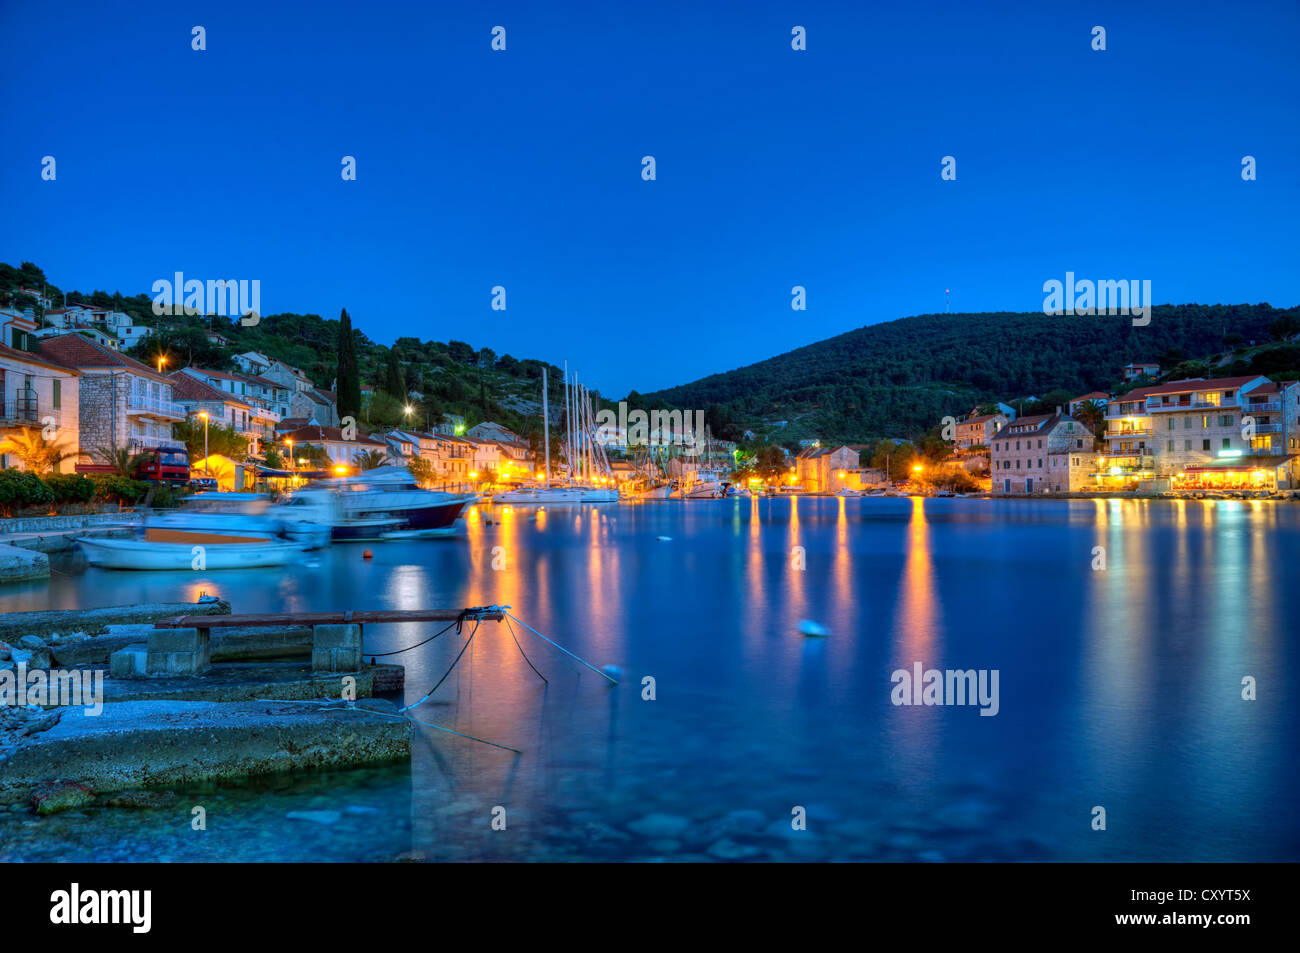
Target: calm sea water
(1118, 688)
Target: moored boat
(198, 552)
(392, 493)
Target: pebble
(32, 642)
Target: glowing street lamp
(289, 443)
(162, 359)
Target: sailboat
(581, 449)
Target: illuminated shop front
(1240, 473)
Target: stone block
(336, 648)
(129, 662)
(177, 640)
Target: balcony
(154, 407)
(139, 444)
(19, 410)
(1198, 403)
(1268, 428)
(1271, 407)
(1128, 432)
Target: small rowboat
(201, 552)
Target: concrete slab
(156, 744)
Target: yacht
(391, 493)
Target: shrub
(70, 487)
(20, 489)
(111, 488)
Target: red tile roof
(27, 357)
(188, 387)
(318, 434)
(75, 350)
(1191, 385)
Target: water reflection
(1120, 685)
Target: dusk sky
(775, 168)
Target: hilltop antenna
(946, 299)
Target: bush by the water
(22, 490)
(19, 489)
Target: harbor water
(1120, 633)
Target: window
(1225, 420)
(1205, 422)
(1187, 445)
(1187, 423)
(1171, 423)
(1171, 446)
(1227, 443)
(1205, 445)
(58, 394)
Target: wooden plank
(373, 617)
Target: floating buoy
(367, 555)
(613, 671)
(664, 539)
(810, 628)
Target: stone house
(1042, 453)
(122, 403)
(39, 394)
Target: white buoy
(664, 539)
(811, 628)
(613, 671)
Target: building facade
(1042, 453)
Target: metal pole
(546, 426)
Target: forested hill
(899, 378)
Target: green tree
(394, 380)
(349, 374)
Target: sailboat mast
(568, 428)
(546, 426)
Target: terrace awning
(1239, 463)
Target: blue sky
(775, 168)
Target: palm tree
(369, 459)
(35, 452)
(1092, 416)
(123, 461)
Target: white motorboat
(392, 493)
(700, 490)
(323, 508)
(246, 515)
(203, 551)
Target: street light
(289, 442)
(204, 415)
(162, 359)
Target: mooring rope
(525, 654)
(454, 663)
(408, 648)
(502, 609)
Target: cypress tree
(393, 382)
(349, 377)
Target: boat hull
(141, 554)
(550, 496)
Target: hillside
(898, 379)
(451, 377)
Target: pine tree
(349, 377)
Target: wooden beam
(374, 617)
